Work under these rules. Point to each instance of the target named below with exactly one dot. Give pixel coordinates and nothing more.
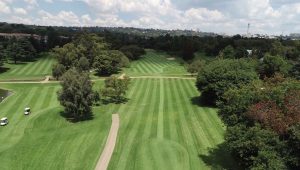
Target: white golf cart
(3, 121)
(27, 111)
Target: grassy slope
(31, 70)
(45, 140)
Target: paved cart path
(110, 144)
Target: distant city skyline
(230, 16)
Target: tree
(58, 70)
(76, 95)
(115, 88)
(83, 64)
(227, 52)
(278, 49)
(133, 52)
(109, 62)
(68, 55)
(254, 147)
(273, 64)
(2, 54)
(196, 66)
(220, 75)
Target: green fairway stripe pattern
(163, 129)
(154, 63)
(31, 70)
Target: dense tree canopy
(76, 95)
(220, 75)
(273, 64)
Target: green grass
(44, 139)
(30, 70)
(155, 64)
(162, 126)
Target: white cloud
(4, 8)
(20, 11)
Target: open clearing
(162, 126)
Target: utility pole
(248, 33)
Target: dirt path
(46, 79)
(110, 144)
(122, 76)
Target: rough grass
(36, 70)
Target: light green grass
(162, 128)
(44, 139)
(155, 64)
(29, 71)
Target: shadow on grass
(73, 119)
(200, 101)
(114, 101)
(220, 158)
(3, 69)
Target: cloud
(20, 11)
(230, 16)
(4, 8)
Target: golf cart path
(121, 77)
(110, 144)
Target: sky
(219, 16)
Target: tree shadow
(72, 119)
(107, 101)
(3, 69)
(220, 158)
(202, 102)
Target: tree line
(258, 99)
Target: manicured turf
(31, 70)
(44, 139)
(154, 63)
(162, 126)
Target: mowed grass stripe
(170, 111)
(188, 138)
(160, 124)
(125, 119)
(201, 130)
(209, 119)
(42, 67)
(133, 129)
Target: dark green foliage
(220, 75)
(76, 95)
(83, 64)
(227, 53)
(133, 52)
(58, 70)
(109, 62)
(254, 147)
(235, 102)
(115, 89)
(292, 149)
(69, 54)
(20, 50)
(273, 64)
(196, 66)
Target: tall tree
(76, 95)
